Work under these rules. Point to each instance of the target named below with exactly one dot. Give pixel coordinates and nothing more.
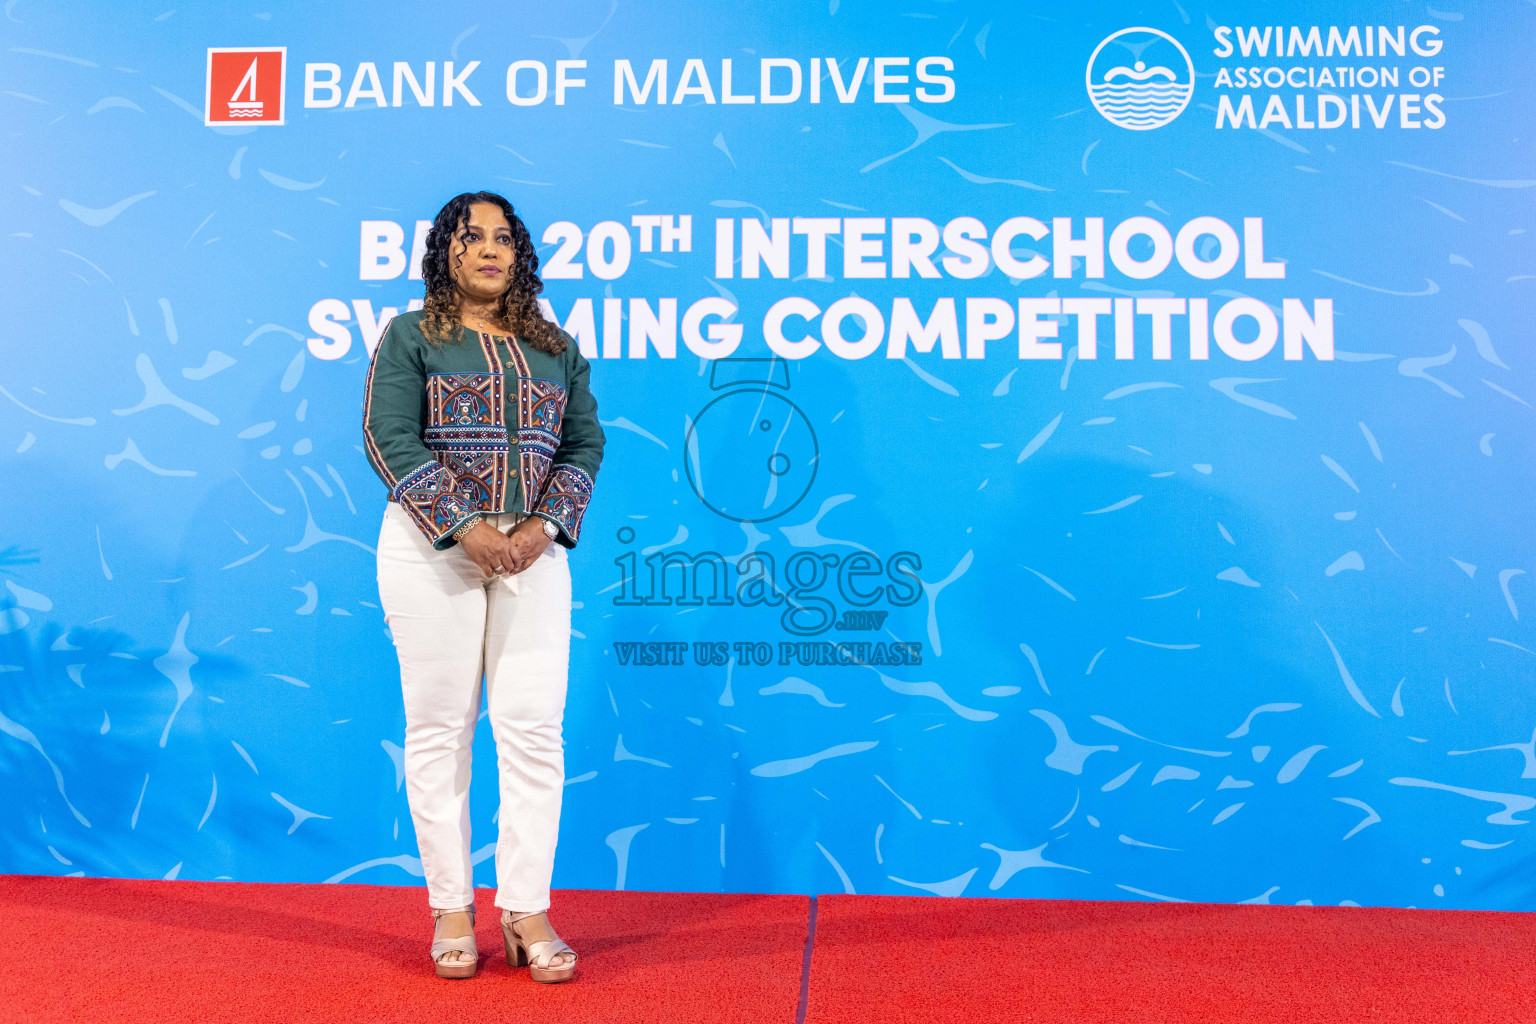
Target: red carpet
(110, 951)
(99, 951)
(897, 958)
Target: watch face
(551, 530)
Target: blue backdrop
(1221, 629)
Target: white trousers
(452, 627)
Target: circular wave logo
(1140, 78)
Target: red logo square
(245, 85)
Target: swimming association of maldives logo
(1140, 78)
(245, 85)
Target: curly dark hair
(518, 311)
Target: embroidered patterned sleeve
(568, 487)
(393, 401)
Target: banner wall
(1055, 451)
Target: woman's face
(481, 271)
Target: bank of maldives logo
(1140, 78)
(245, 85)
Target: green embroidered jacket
(480, 423)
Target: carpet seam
(805, 964)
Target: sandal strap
(470, 910)
(542, 954)
(460, 943)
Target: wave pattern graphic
(1037, 692)
(1141, 104)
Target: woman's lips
(490, 268)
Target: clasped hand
(499, 554)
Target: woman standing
(478, 418)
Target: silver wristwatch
(550, 529)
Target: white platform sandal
(548, 962)
(469, 958)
